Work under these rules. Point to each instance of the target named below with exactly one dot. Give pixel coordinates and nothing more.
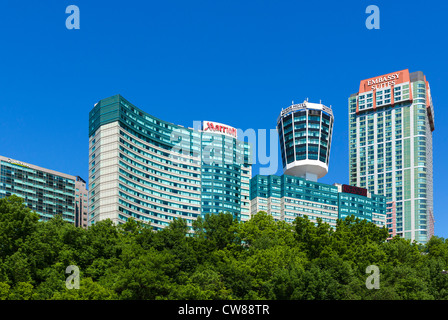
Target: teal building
(287, 197)
(44, 191)
(371, 207)
(155, 171)
(391, 126)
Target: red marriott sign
(355, 190)
(219, 128)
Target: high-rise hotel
(391, 120)
(45, 191)
(305, 132)
(154, 171)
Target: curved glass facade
(305, 134)
(155, 171)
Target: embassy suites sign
(384, 81)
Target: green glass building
(287, 197)
(155, 171)
(45, 191)
(391, 121)
(372, 207)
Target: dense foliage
(225, 259)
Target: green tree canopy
(219, 257)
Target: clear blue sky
(234, 62)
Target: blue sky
(234, 62)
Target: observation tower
(305, 131)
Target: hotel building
(81, 203)
(154, 171)
(305, 132)
(287, 197)
(47, 192)
(391, 121)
